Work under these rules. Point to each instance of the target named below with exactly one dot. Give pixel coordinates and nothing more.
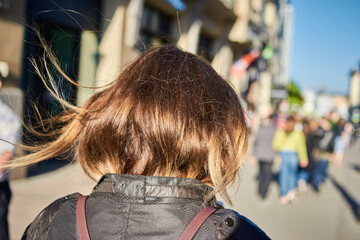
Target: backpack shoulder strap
(81, 218)
(196, 223)
(188, 234)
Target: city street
(330, 214)
(166, 78)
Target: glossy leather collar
(140, 188)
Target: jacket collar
(140, 188)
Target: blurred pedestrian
(323, 149)
(292, 149)
(304, 174)
(161, 140)
(9, 135)
(252, 118)
(264, 153)
(341, 142)
(280, 120)
(355, 120)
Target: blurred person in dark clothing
(305, 174)
(323, 149)
(309, 127)
(264, 153)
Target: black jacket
(140, 207)
(324, 140)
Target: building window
(155, 28)
(5, 4)
(206, 48)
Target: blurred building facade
(95, 39)
(341, 105)
(320, 104)
(354, 89)
(309, 106)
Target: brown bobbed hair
(167, 114)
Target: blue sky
(326, 43)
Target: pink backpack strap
(81, 218)
(196, 223)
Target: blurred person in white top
(9, 135)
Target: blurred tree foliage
(295, 98)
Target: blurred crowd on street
(302, 146)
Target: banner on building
(238, 69)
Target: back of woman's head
(167, 114)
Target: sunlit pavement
(328, 215)
(33, 194)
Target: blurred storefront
(62, 25)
